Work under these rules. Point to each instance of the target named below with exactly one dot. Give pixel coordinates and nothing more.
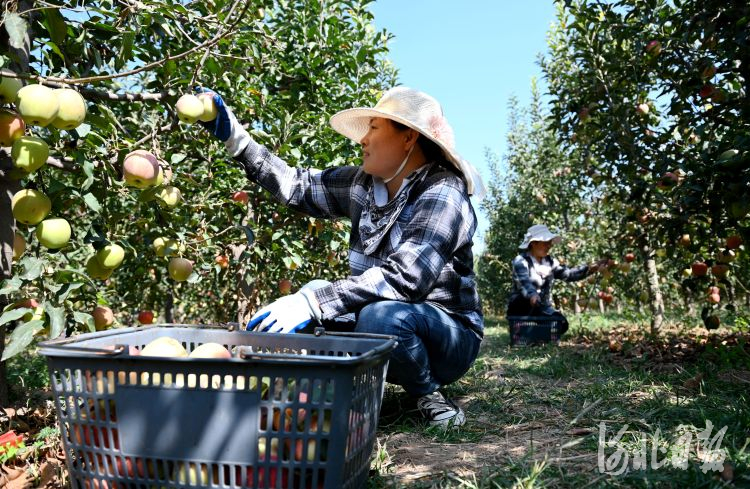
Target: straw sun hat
(538, 232)
(418, 111)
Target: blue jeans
(433, 348)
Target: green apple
(12, 127)
(37, 104)
(30, 206)
(53, 233)
(209, 107)
(140, 169)
(71, 111)
(164, 177)
(166, 246)
(29, 153)
(189, 108)
(9, 87)
(169, 196)
(180, 268)
(19, 246)
(95, 269)
(110, 256)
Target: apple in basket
(208, 350)
(164, 346)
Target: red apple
(712, 322)
(720, 270)
(706, 91)
(222, 261)
(653, 48)
(708, 72)
(630, 257)
(699, 269)
(146, 317)
(240, 196)
(733, 242)
(714, 298)
(285, 286)
(103, 317)
(684, 240)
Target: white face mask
(400, 168)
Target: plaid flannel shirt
(527, 282)
(425, 255)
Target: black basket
(292, 411)
(534, 330)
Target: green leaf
(13, 315)
(33, 268)
(177, 157)
(56, 25)
(66, 289)
(85, 319)
(11, 285)
(126, 50)
(55, 49)
(88, 170)
(148, 194)
(56, 317)
(17, 29)
(21, 338)
(83, 130)
(92, 202)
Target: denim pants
(433, 348)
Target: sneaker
(439, 411)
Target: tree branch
(78, 81)
(112, 95)
(63, 164)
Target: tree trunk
(8, 187)
(169, 306)
(656, 301)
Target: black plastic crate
(286, 411)
(533, 330)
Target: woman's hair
(431, 150)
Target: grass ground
(535, 414)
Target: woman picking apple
(534, 272)
(411, 243)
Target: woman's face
(540, 249)
(384, 147)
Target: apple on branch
(30, 206)
(37, 104)
(53, 233)
(72, 109)
(9, 87)
(19, 246)
(146, 317)
(29, 153)
(140, 169)
(103, 317)
(12, 127)
(96, 270)
(110, 256)
(180, 269)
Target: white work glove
(288, 314)
(226, 127)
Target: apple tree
(653, 95)
(200, 243)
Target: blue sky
(472, 56)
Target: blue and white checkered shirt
(416, 247)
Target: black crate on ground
(291, 411)
(533, 330)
